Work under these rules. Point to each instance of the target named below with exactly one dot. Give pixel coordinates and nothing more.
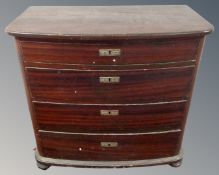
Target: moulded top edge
(108, 21)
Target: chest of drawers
(109, 86)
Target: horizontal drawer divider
(129, 70)
(113, 65)
(140, 133)
(154, 103)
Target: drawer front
(78, 86)
(109, 147)
(111, 53)
(109, 119)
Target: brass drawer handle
(109, 79)
(108, 144)
(109, 112)
(109, 52)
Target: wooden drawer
(134, 86)
(109, 119)
(109, 147)
(132, 52)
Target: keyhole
(109, 52)
(109, 79)
(109, 112)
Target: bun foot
(42, 166)
(176, 164)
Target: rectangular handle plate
(108, 144)
(109, 112)
(109, 79)
(109, 52)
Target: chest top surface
(93, 21)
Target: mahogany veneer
(109, 86)
(135, 86)
(131, 118)
(133, 52)
(86, 147)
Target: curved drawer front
(130, 52)
(109, 119)
(98, 87)
(109, 147)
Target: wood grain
(58, 49)
(78, 86)
(90, 22)
(131, 119)
(132, 52)
(82, 147)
